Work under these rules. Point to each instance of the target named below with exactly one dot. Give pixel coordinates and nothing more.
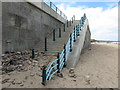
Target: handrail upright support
(59, 32)
(71, 42)
(45, 43)
(67, 23)
(33, 53)
(58, 62)
(72, 19)
(70, 22)
(64, 27)
(74, 35)
(50, 4)
(64, 55)
(44, 76)
(54, 35)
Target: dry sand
(98, 67)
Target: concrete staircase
(53, 47)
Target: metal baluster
(67, 23)
(54, 35)
(59, 32)
(33, 53)
(70, 42)
(44, 75)
(64, 55)
(58, 62)
(45, 44)
(74, 34)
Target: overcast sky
(102, 16)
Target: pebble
(21, 84)
(5, 80)
(87, 79)
(20, 65)
(34, 61)
(26, 77)
(71, 70)
(60, 75)
(31, 82)
(18, 53)
(72, 75)
(4, 57)
(74, 80)
(32, 74)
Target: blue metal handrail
(53, 6)
(57, 65)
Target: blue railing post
(54, 35)
(50, 4)
(56, 9)
(33, 53)
(44, 75)
(70, 22)
(64, 27)
(64, 55)
(70, 42)
(59, 32)
(72, 19)
(45, 44)
(67, 23)
(82, 21)
(74, 34)
(58, 62)
(77, 30)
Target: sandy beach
(97, 67)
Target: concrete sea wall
(25, 24)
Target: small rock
(5, 80)
(21, 84)
(72, 75)
(4, 57)
(36, 53)
(34, 61)
(25, 69)
(39, 74)
(9, 69)
(26, 77)
(60, 75)
(53, 78)
(71, 70)
(20, 65)
(32, 74)
(18, 82)
(29, 62)
(74, 80)
(31, 82)
(87, 79)
(18, 53)
(89, 49)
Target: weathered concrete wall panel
(24, 25)
(87, 39)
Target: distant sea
(115, 42)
